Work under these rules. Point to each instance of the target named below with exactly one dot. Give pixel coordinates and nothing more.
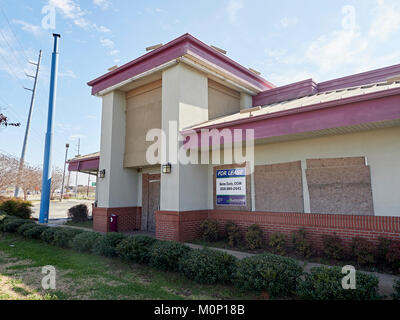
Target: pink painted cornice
(288, 92)
(367, 108)
(91, 163)
(185, 44)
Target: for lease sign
(231, 187)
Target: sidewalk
(385, 280)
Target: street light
(65, 163)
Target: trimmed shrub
(18, 208)
(135, 249)
(165, 255)
(84, 241)
(382, 249)
(78, 213)
(208, 266)
(333, 247)
(277, 243)
(363, 251)
(2, 218)
(107, 244)
(268, 272)
(63, 237)
(11, 225)
(5, 219)
(324, 283)
(300, 243)
(393, 256)
(253, 237)
(233, 234)
(48, 234)
(26, 226)
(396, 288)
(35, 233)
(209, 230)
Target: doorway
(150, 201)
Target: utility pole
(76, 177)
(46, 177)
(28, 123)
(65, 164)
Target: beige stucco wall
(223, 100)
(119, 187)
(185, 100)
(143, 112)
(381, 148)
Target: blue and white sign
(231, 187)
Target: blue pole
(46, 177)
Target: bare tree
(56, 180)
(8, 172)
(31, 180)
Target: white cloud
(9, 63)
(386, 22)
(287, 22)
(71, 10)
(155, 10)
(102, 29)
(343, 47)
(35, 30)
(107, 43)
(103, 4)
(113, 52)
(288, 77)
(68, 73)
(234, 6)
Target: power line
(9, 25)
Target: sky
(287, 41)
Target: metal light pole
(46, 177)
(28, 123)
(65, 164)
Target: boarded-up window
(340, 186)
(143, 112)
(279, 187)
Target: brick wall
(129, 218)
(184, 226)
(179, 226)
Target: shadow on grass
(87, 276)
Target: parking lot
(59, 210)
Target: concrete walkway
(386, 281)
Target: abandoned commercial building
(326, 155)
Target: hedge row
(279, 276)
(363, 251)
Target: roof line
(313, 107)
(187, 42)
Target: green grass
(86, 276)
(85, 224)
